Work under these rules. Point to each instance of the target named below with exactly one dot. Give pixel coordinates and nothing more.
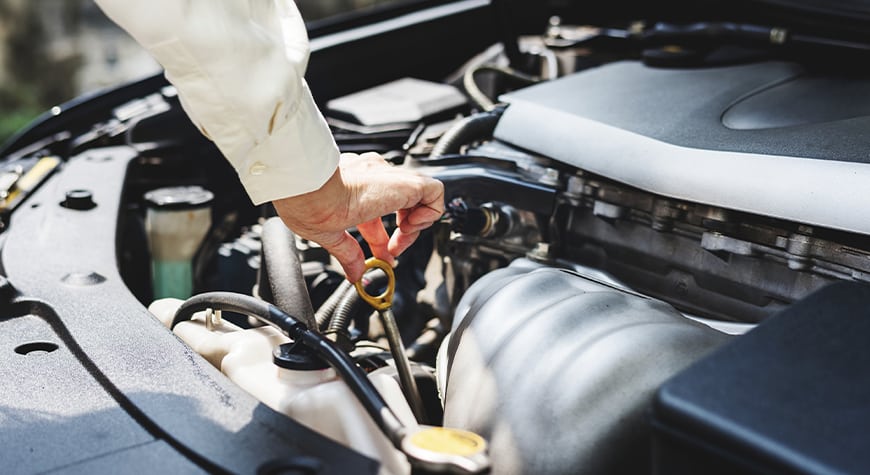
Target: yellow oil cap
(444, 449)
(449, 441)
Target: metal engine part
(557, 371)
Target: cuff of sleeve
(297, 158)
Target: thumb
(346, 249)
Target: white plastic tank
(316, 398)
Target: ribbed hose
(281, 279)
(324, 314)
(470, 129)
(351, 302)
(353, 375)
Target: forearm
(238, 67)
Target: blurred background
(54, 50)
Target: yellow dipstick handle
(385, 300)
(382, 304)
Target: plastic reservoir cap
(297, 357)
(446, 449)
(179, 197)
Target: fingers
(401, 241)
(418, 198)
(418, 218)
(364, 188)
(433, 196)
(346, 250)
(410, 223)
(374, 233)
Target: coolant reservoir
(302, 387)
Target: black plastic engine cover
(768, 138)
(766, 108)
(791, 396)
(557, 370)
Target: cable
(352, 375)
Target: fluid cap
(297, 357)
(80, 200)
(444, 449)
(179, 197)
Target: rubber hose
(351, 302)
(426, 345)
(469, 82)
(282, 281)
(474, 127)
(352, 374)
(324, 313)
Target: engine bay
(614, 218)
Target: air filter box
(791, 396)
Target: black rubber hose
(474, 127)
(347, 305)
(469, 81)
(425, 347)
(668, 32)
(281, 279)
(324, 314)
(351, 302)
(353, 375)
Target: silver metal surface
(403, 366)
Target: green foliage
(14, 121)
(19, 105)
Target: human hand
(362, 190)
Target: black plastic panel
(150, 458)
(159, 388)
(662, 131)
(789, 397)
(806, 100)
(53, 412)
(685, 107)
(557, 371)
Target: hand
(362, 189)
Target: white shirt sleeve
(238, 66)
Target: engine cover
(766, 138)
(557, 371)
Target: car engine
(622, 210)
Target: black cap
(179, 197)
(80, 200)
(298, 357)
